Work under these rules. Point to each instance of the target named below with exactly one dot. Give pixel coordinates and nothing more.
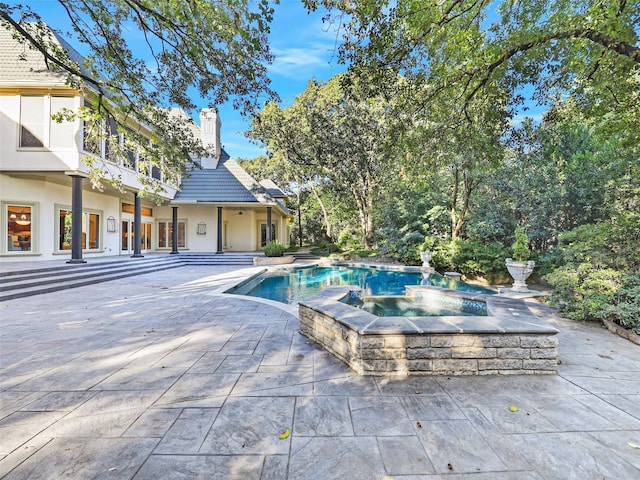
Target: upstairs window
(38, 129)
(32, 121)
(62, 134)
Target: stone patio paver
(163, 376)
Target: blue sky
(304, 48)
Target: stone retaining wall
(511, 340)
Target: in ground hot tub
(417, 305)
(507, 338)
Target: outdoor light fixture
(201, 229)
(111, 224)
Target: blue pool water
(292, 285)
(433, 306)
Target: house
(44, 182)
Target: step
(35, 280)
(63, 284)
(52, 274)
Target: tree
(279, 170)
(286, 139)
(587, 49)
(218, 50)
(335, 138)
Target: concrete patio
(161, 376)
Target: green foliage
(471, 258)
(599, 277)
(583, 292)
(325, 248)
(274, 249)
(348, 241)
(587, 50)
(625, 308)
(520, 248)
(145, 56)
(337, 140)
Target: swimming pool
(294, 284)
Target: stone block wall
(409, 353)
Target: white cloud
(302, 62)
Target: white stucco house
(43, 180)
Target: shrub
(468, 257)
(625, 311)
(325, 248)
(520, 248)
(584, 292)
(598, 277)
(274, 249)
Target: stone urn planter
(426, 258)
(520, 271)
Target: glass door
(263, 233)
(128, 236)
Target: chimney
(210, 133)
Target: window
(131, 160)
(62, 134)
(165, 234)
(113, 139)
(91, 235)
(90, 131)
(32, 116)
(144, 211)
(19, 226)
(263, 233)
(38, 129)
(156, 172)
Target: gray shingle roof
(272, 188)
(26, 66)
(228, 183)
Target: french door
(128, 236)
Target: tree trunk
(325, 215)
(454, 202)
(457, 217)
(299, 219)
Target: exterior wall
(46, 197)
(37, 177)
(242, 230)
(48, 159)
(12, 157)
(510, 340)
(192, 215)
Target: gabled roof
(21, 64)
(272, 188)
(228, 183)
